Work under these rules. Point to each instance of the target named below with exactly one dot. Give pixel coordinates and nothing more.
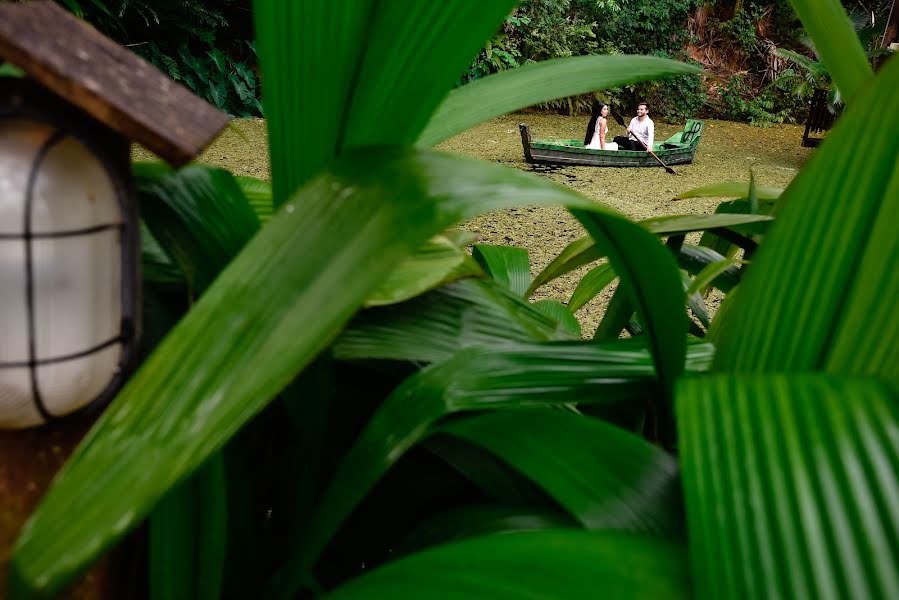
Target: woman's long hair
(594, 116)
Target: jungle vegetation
(336, 399)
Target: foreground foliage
(348, 390)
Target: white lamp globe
(65, 322)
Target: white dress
(594, 143)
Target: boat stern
(526, 141)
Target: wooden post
(29, 459)
(889, 33)
(892, 28)
(526, 141)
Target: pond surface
(727, 151)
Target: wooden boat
(676, 150)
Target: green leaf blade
(594, 282)
(436, 262)
(804, 277)
(790, 484)
(390, 74)
(563, 565)
(327, 52)
(508, 265)
(199, 216)
(605, 477)
(436, 325)
(183, 405)
(525, 86)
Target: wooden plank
(107, 81)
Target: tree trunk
(889, 34)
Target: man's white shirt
(646, 129)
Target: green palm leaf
(507, 265)
(182, 405)
(436, 262)
(730, 189)
(560, 314)
(474, 521)
(563, 565)
(436, 325)
(605, 477)
(259, 194)
(299, 43)
(199, 216)
(583, 251)
(829, 259)
(341, 75)
(790, 483)
(594, 282)
(518, 376)
(445, 37)
(525, 86)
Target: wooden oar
(667, 168)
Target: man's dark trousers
(625, 143)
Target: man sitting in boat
(641, 129)
(595, 138)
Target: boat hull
(571, 152)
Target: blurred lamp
(68, 261)
(69, 247)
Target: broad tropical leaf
(519, 376)
(420, 50)
(436, 325)
(474, 521)
(696, 259)
(791, 486)
(576, 254)
(552, 565)
(590, 285)
(156, 265)
(305, 122)
(710, 274)
(682, 224)
(560, 314)
(387, 202)
(200, 217)
(259, 194)
(605, 477)
(507, 265)
(436, 262)
(830, 258)
(358, 56)
(695, 301)
(187, 531)
(583, 251)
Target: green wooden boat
(676, 150)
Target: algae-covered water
(727, 151)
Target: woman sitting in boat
(595, 138)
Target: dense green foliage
(205, 45)
(742, 44)
(748, 48)
(347, 393)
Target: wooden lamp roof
(106, 80)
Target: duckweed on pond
(727, 151)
